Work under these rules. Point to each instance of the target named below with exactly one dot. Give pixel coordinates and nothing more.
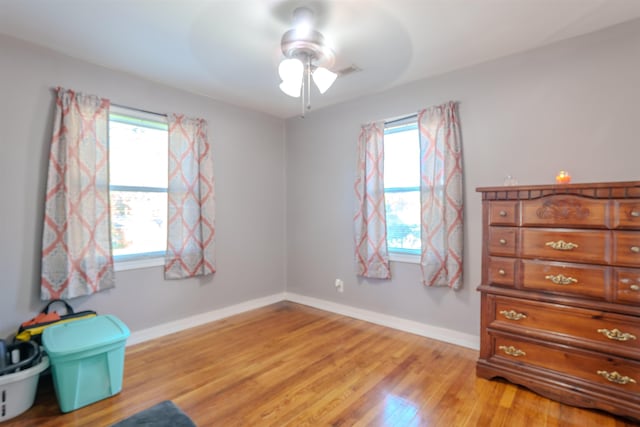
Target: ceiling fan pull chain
(308, 82)
(302, 89)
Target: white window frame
(134, 262)
(401, 256)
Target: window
(402, 189)
(138, 165)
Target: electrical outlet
(339, 285)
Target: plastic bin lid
(83, 334)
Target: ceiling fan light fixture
(291, 88)
(303, 42)
(291, 71)
(323, 78)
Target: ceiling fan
(307, 58)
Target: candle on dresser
(563, 177)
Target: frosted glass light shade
(323, 78)
(291, 72)
(291, 89)
(290, 69)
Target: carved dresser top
(609, 190)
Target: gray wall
(249, 166)
(572, 105)
(569, 106)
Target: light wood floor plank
(291, 365)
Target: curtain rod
(408, 116)
(400, 119)
(138, 109)
(121, 106)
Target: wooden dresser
(561, 292)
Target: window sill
(406, 258)
(136, 264)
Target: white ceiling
(230, 49)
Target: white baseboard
(200, 319)
(422, 329)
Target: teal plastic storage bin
(87, 359)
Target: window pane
(138, 168)
(403, 221)
(402, 159)
(138, 222)
(402, 187)
(131, 147)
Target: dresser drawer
(565, 211)
(503, 213)
(627, 285)
(565, 278)
(618, 374)
(626, 214)
(502, 241)
(596, 329)
(589, 246)
(626, 248)
(502, 271)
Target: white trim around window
(406, 258)
(135, 264)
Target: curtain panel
(370, 228)
(76, 242)
(191, 230)
(441, 195)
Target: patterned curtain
(372, 259)
(76, 242)
(191, 231)
(441, 195)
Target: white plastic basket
(18, 390)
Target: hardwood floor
(291, 365)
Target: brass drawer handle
(561, 245)
(560, 279)
(513, 315)
(633, 287)
(503, 241)
(635, 214)
(503, 213)
(615, 377)
(635, 249)
(512, 351)
(617, 334)
(502, 272)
